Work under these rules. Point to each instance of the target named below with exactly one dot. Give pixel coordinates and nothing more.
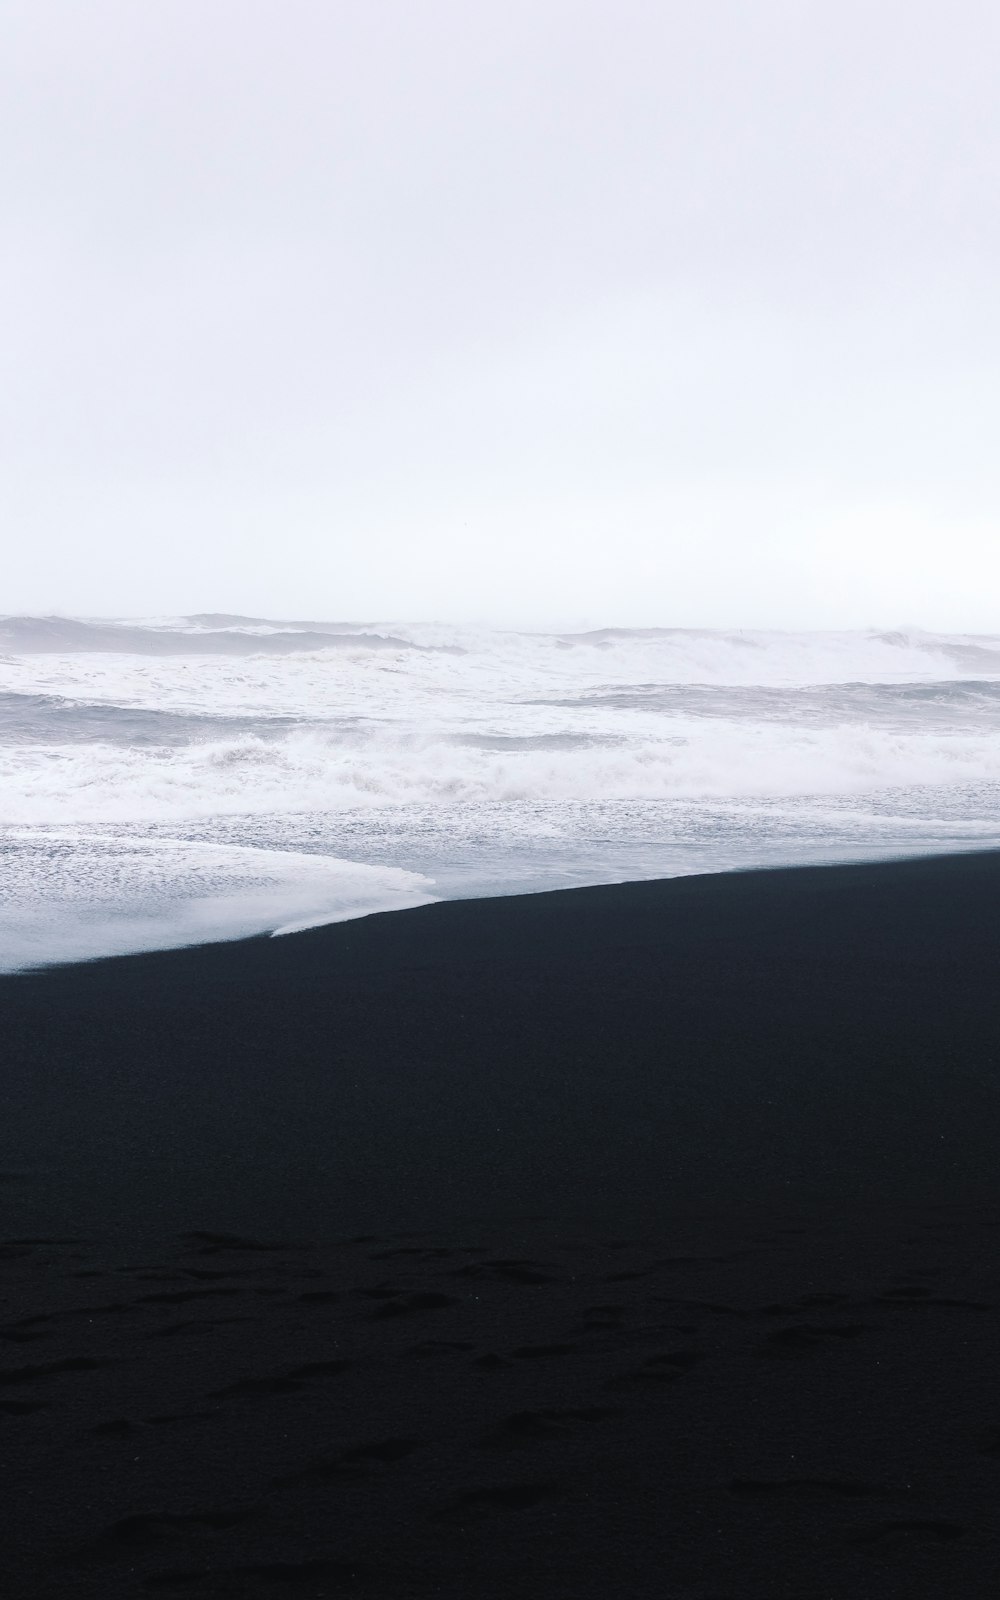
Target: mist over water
(172, 780)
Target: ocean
(174, 780)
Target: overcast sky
(532, 311)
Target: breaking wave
(310, 770)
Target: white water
(175, 780)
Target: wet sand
(637, 1240)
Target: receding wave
(69, 897)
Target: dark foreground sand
(629, 1241)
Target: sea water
(174, 780)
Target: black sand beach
(627, 1241)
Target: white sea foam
(437, 750)
(69, 896)
(309, 771)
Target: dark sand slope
(638, 1240)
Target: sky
(548, 312)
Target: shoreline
(518, 1046)
(86, 940)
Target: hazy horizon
(542, 626)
